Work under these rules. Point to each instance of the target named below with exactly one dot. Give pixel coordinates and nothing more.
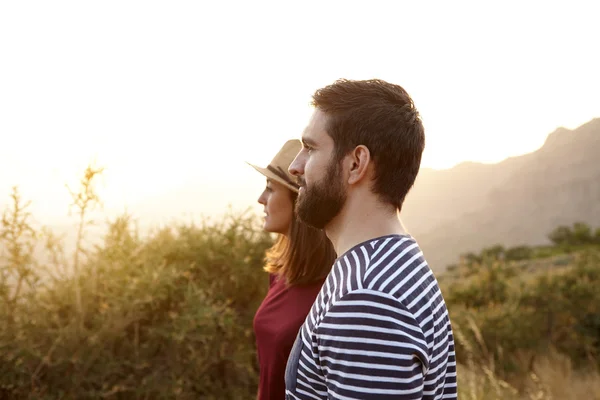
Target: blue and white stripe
(379, 329)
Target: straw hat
(277, 169)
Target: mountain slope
(517, 201)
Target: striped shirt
(379, 329)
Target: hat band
(281, 173)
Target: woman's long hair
(305, 256)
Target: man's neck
(360, 221)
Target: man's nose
(296, 168)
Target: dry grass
(551, 377)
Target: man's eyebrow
(306, 141)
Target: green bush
(519, 253)
(579, 234)
(165, 316)
(518, 317)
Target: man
(379, 328)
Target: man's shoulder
(379, 251)
(389, 270)
(394, 260)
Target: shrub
(519, 253)
(163, 316)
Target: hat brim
(273, 177)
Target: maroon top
(276, 325)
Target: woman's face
(279, 207)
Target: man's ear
(358, 160)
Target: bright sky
(167, 94)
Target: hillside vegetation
(168, 315)
(527, 320)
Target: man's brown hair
(382, 117)
(305, 256)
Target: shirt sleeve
(370, 347)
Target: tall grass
(550, 376)
(523, 335)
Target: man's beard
(323, 201)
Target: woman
(298, 264)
